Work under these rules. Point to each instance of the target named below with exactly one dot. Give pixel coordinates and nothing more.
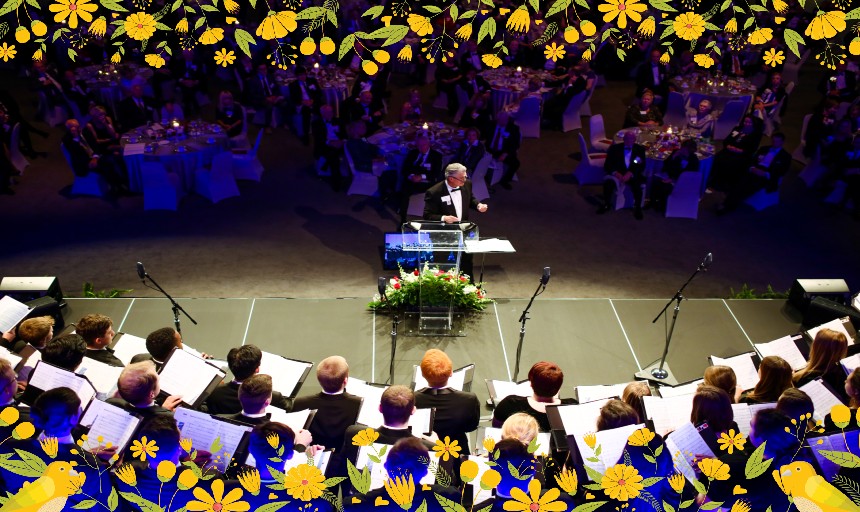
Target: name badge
(446, 200)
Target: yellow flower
(586, 55)
(250, 480)
(23, 430)
(73, 9)
(39, 28)
(676, 482)
(464, 32)
(154, 59)
(381, 56)
(182, 26)
(304, 482)
(99, 26)
(9, 415)
(491, 60)
(140, 448)
(116, 58)
(554, 51)
(308, 46)
(273, 440)
(231, 5)
(841, 415)
(826, 25)
(277, 25)
(327, 46)
(729, 441)
(590, 438)
(519, 20)
(689, 26)
(704, 60)
(740, 506)
(587, 28)
(571, 35)
(185, 444)
(217, 501)
(567, 480)
(664, 59)
(773, 58)
(641, 437)
(779, 6)
(854, 46)
(534, 502)
(187, 480)
(22, 35)
(405, 54)
(140, 26)
(647, 27)
(446, 449)
(421, 25)
(489, 444)
(490, 479)
(732, 26)
(49, 446)
(468, 470)
(714, 469)
(623, 9)
(127, 475)
(761, 35)
(211, 35)
(401, 490)
(165, 471)
(224, 58)
(622, 482)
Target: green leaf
(593, 459)
(272, 507)
(843, 459)
(85, 504)
(533, 445)
(34, 4)
(756, 465)
(648, 482)
(792, 39)
(144, 504)
(711, 26)
(454, 11)
(516, 472)
(360, 480)
(162, 26)
(749, 22)
(374, 12)
(485, 509)
(667, 507)
(557, 7)
(432, 8)
(311, 13)
(594, 475)
(468, 14)
(279, 476)
(725, 5)
(392, 34)
(113, 500)
(598, 450)
(448, 505)
(591, 506)
(383, 450)
(423, 506)
(374, 458)
(345, 46)
(10, 6)
(209, 8)
(593, 487)
(199, 23)
(711, 505)
(853, 14)
(176, 5)
(244, 40)
(662, 6)
(535, 5)
(698, 486)
(488, 2)
(162, 13)
(668, 31)
(331, 482)
(216, 446)
(685, 504)
(658, 451)
(4, 27)
(738, 9)
(757, 8)
(488, 28)
(649, 458)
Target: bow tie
(455, 189)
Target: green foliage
(431, 287)
(91, 293)
(749, 293)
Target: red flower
(447, 277)
(396, 278)
(439, 273)
(396, 286)
(416, 272)
(463, 278)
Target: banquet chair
(676, 110)
(684, 199)
(462, 103)
(18, 161)
(597, 134)
(585, 109)
(479, 183)
(52, 116)
(797, 154)
(623, 197)
(764, 199)
(241, 141)
(363, 183)
(729, 118)
(246, 165)
(571, 119)
(497, 169)
(528, 117)
(773, 120)
(161, 189)
(90, 185)
(416, 205)
(219, 182)
(590, 169)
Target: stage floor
(595, 341)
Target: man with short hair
(138, 388)
(84, 159)
(503, 142)
(422, 168)
(243, 362)
(255, 394)
(97, 331)
(306, 96)
(329, 134)
(136, 110)
(368, 109)
(159, 344)
(66, 352)
(36, 331)
(625, 162)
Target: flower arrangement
(437, 288)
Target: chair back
(789, 88)
(349, 160)
(676, 110)
(154, 174)
(528, 117)
(256, 147)
(684, 199)
(571, 118)
(803, 127)
(479, 184)
(729, 118)
(596, 129)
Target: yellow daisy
(689, 26)
(554, 51)
(826, 25)
(304, 482)
(622, 482)
(534, 502)
(73, 9)
(447, 449)
(729, 441)
(773, 57)
(224, 58)
(217, 502)
(140, 448)
(623, 9)
(140, 26)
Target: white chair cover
(597, 133)
(571, 119)
(218, 183)
(246, 166)
(479, 184)
(363, 183)
(684, 199)
(729, 118)
(590, 168)
(18, 161)
(90, 185)
(528, 117)
(161, 189)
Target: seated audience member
(405, 464)
(55, 414)
(159, 344)
(474, 84)
(774, 377)
(827, 349)
(509, 451)
(771, 164)
(422, 168)
(138, 389)
(616, 414)
(821, 125)
(255, 394)
(644, 113)
(8, 390)
(839, 84)
(852, 389)
(681, 160)
(471, 58)
(264, 95)
(504, 143)
(736, 155)
(171, 111)
(229, 115)
(142, 477)
(412, 110)
(243, 362)
(97, 332)
(546, 379)
(794, 403)
(713, 406)
(471, 151)
(771, 93)
(573, 83)
(368, 110)
(84, 159)
(838, 146)
(76, 91)
(66, 352)
(626, 162)
(101, 133)
(522, 427)
(363, 153)
(457, 412)
(632, 396)
(653, 76)
(702, 119)
(36, 332)
(136, 110)
(190, 73)
(477, 114)
(329, 134)
(723, 377)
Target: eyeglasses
(463, 179)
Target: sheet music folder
(46, 376)
(499, 389)
(174, 377)
(288, 375)
(461, 378)
(489, 245)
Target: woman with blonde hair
(722, 377)
(828, 348)
(520, 426)
(632, 396)
(774, 377)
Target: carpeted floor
(292, 236)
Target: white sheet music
(27, 369)
(489, 245)
(129, 346)
(822, 398)
(505, 388)
(285, 373)
(47, 377)
(580, 419)
(321, 460)
(684, 389)
(11, 312)
(203, 429)
(295, 420)
(103, 376)
(745, 370)
(592, 393)
(785, 348)
(835, 325)
(220, 363)
(456, 381)
(683, 442)
(378, 474)
(755, 408)
(834, 442)
(848, 364)
(742, 417)
(369, 414)
(113, 424)
(13, 359)
(174, 376)
(612, 443)
(543, 439)
(668, 413)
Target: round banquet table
(719, 90)
(508, 84)
(335, 83)
(182, 154)
(396, 140)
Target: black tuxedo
(104, 355)
(357, 110)
(505, 141)
(335, 413)
(469, 155)
(439, 203)
(132, 115)
(457, 412)
(224, 399)
(144, 412)
(297, 94)
(617, 162)
(479, 86)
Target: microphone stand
(175, 306)
(523, 318)
(660, 372)
(395, 320)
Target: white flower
(469, 288)
(392, 281)
(410, 277)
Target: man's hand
(94, 162)
(415, 178)
(450, 219)
(304, 438)
(482, 207)
(172, 402)
(627, 176)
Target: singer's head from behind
(244, 361)
(436, 367)
(456, 175)
(260, 443)
(65, 352)
(406, 458)
(96, 330)
(56, 412)
(160, 342)
(332, 374)
(396, 406)
(37, 331)
(255, 394)
(546, 379)
(138, 384)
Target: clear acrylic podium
(439, 245)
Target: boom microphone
(141, 272)
(383, 282)
(545, 277)
(707, 261)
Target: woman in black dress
(732, 162)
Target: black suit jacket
(78, 154)
(256, 92)
(144, 412)
(435, 206)
(386, 436)
(146, 357)
(313, 88)
(779, 166)
(335, 413)
(247, 420)
(432, 167)
(480, 86)
(510, 138)
(224, 399)
(104, 356)
(357, 110)
(673, 167)
(131, 116)
(457, 412)
(645, 78)
(615, 160)
(320, 133)
(470, 156)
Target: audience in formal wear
(504, 144)
(101, 133)
(774, 377)
(422, 168)
(363, 154)
(839, 84)
(191, 74)
(306, 97)
(653, 76)
(546, 379)
(138, 389)
(243, 362)
(84, 159)
(471, 151)
(97, 331)
(136, 110)
(736, 155)
(573, 83)
(771, 93)
(171, 111)
(771, 164)
(448, 75)
(413, 109)
(230, 116)
(644, 113)
(821, 125)
(474, 84)
(265, 96)
(477, 114)
(329, 135)
(681, 160)
(368, 109)
(625, 162)
(701, 120)
(76, 91)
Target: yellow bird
(811, 492)
(50, 492)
